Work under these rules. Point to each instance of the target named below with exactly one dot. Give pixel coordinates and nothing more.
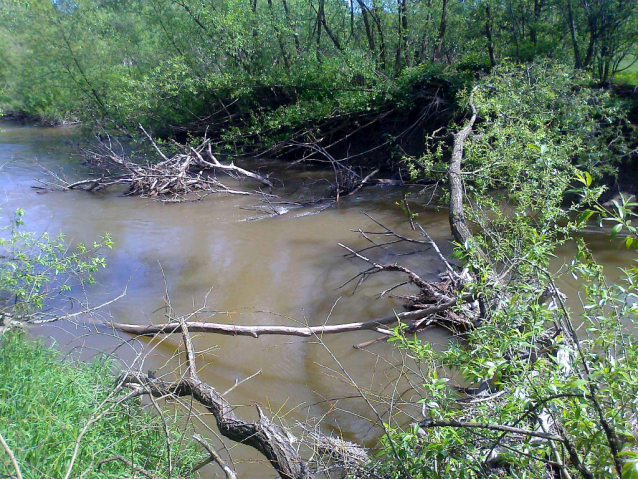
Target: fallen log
(257, 331)
(263, 435)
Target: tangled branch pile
(187, 172)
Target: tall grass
(45, 403)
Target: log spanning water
(284, 270)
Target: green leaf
(615, 230)
(630, 470)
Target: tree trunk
(319, 24)
(516, 33)
(533, 32)
(366, 23)
(459, 228)
(294, 32)
(402, 36)
(488, 35)
(442, 28)
(593, 35)
(377, 22)
(578, 63)
(282, 45)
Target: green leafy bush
(529, 362)
(34, 268)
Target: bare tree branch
(257, 331)
(213, 456)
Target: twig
(84, 311)
(214, 456)
(239, 383)
(130, 464)
(12, 457)
(150, 138)
(493, 427)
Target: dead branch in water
(263, 435)
(257, 331)
(275, 443)
(430, 293)
(189, 171)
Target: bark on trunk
(442, 28)
(263, 435)
(459, 228)
(488, 35)
(578, 63)
(366, 23)
(294, 32)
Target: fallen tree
(277, 445)
(262, 435)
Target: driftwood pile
(190, 171)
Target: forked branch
(263, 435)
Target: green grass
(628, 76)
(45, 403)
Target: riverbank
(207, 243)
(58, 416)
(26, 118)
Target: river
(282, 270)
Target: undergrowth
(46, 402)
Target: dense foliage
(534, 369)
(234, 64)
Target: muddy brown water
(214, 255)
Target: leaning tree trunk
(458, 226)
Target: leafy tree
(545, 397)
